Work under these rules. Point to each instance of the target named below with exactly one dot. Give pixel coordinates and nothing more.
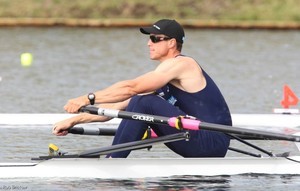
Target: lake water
(250, 68)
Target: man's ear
(172, 43)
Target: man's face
(158, 45)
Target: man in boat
(177, 87)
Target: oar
(92, 131)
(187, 123)
(111, 131)
(134, 145)
(99, 131)
(94, 153)
(106, 131)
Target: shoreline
(119, 23)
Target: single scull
(88, 164)
(142, 168)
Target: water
(250, 68)
(219, 183)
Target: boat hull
(143, 168)
(269, 120)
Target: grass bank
(191, 12)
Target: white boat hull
(269, 120)
(142, 168)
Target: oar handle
(125, 115)
(91, 110)
(92, 131)
(188, 123)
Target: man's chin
(153, 57)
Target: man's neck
(170, 55)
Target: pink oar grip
(190, 124)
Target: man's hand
(61, 128)
(73, 105)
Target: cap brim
(149, 30)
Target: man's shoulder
(187, 61)
(181, 63)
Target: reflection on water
(238, 182)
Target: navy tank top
(207, 105)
